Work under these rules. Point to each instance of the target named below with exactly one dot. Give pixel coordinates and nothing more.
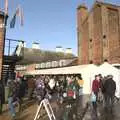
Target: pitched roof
(31, 55)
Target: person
(22, 88)
(71, 88)
(1, 96)
(40, 89)
(12, 91)
(109, 89)
(31, 86)
(51, 84)
(80, 83)
(101, 90)
(96, 86)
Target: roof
(31, 55)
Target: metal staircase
(10, 59)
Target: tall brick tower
(82, 13)
(99, 33)
(2, 36)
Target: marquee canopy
(88, 73)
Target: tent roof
(107, 68)
(65, 70)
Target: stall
(87, 72)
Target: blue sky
(49, 22)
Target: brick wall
(31, 67)
(1, 42)
(82, 14)
(85, 44)
(91, 36)
(97, 40)
(99, 36)
(113, 20)
(105, 32)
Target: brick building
(2, 35)
(98, 33)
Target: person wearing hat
(109, 91)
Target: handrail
(15, 40)
(11, 46)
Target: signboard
(52, 64)
(21, 68)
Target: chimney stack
(59, 49)
(35, 45)
(68, 51)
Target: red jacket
(95, 86)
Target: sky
(49, 22)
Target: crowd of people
(40, 87)
(70, 86)
(103, 90)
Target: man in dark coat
(22, 88)
(1, 96)
(109, 91)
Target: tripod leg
(52, 111)
(37, 113)
(49, 110)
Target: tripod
(45, 103)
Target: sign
(21, 68)
(53, 64)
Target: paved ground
(70, 108)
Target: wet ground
(70, 110)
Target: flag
(19, 13)
(12, 23)
(6, 7)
